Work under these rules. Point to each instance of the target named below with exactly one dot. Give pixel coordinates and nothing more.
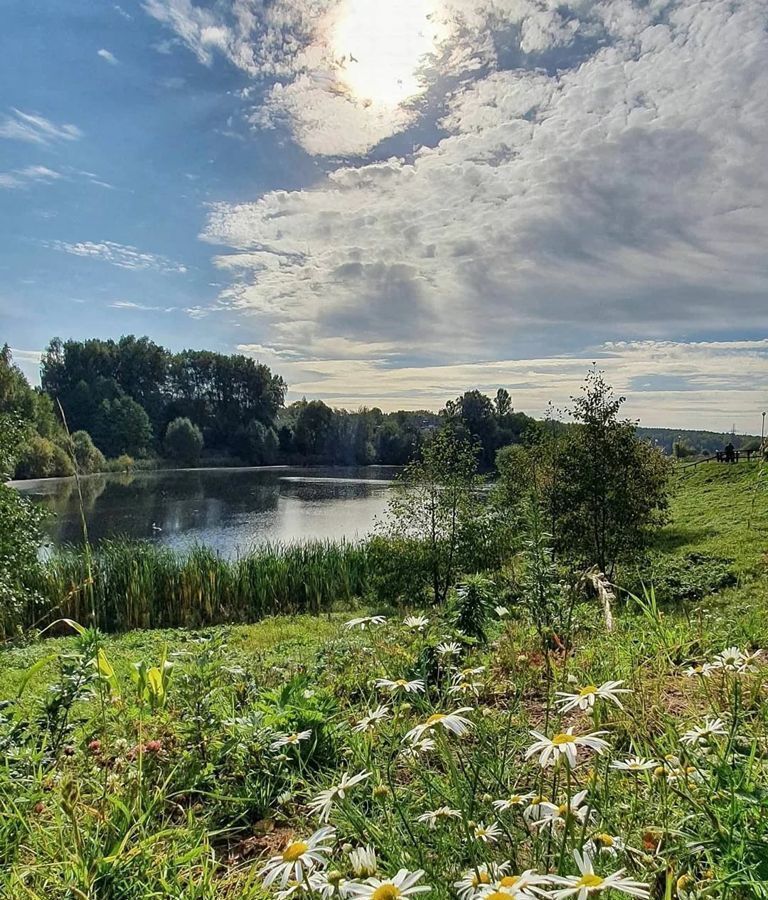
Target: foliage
(472, 606)
(122, 426)
(434, 500)
(692, 576)
(39, 457)
(183, 441)
(88, 457)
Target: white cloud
(29, 175)
(624, 197)
(109, 57)
(141, 307)
(123, 256)
(29, 363)
(36, 129)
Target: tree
(611, 488)
(434, 502)
(88, 457)
(40, 458)
(313, 428)
(183, 441)
(257, 444)
(122, 426)
(681, 449)
(503, 403)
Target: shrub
(183, 441)
(88, 457)
(41, 458)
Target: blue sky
(392, 202)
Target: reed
(136, 584)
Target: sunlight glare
(379, 45)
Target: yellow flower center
(435, 718)
(295, 850)
(589, 689)
(590, 880)
(386, 891)
(562, 810)
(559, 739)
(497, 895)
(401, 682)
(509, 881)
(604, 839)
(482, 878)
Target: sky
(392, 201)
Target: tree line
(117, 404)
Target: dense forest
(128, 403)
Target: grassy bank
(124, 779)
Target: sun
(379, 46)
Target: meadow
(380, 752)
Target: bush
(183, 441)
(690, 577)
(41, 458)
(88, 457)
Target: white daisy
(564, 746)
(435, 816)
(417, 623)
(329, 884)
(401, 885)
(416, 686)
(365, 622)
(417, 748)
(481, 877)
(449, 648)
(702, 733)
(290, 740)
(501, 611)
(587, 882)
(634, 764)
(454, 722)
(323, 803)
(369, 722)
(363, 861)
(462, 688)
(607, 844)
(538, 808)
(298, 858)
(557, 817)
(524, 886)
(514, 800)
(585, 697)
(488, 834)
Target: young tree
(611, 488)
(183, 441)
(434, 502)
(88, 457)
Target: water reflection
(228, 509)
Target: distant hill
(698, 441)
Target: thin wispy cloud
(26, 177)
(36, 129)
(140, 307)
(108, 57)
(123, 256)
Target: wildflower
(449, 648)
(634, 764)
(401, 684)
(482, 876)
(293, 887)
(557, 816)
(369, 722)
(365, 622)
(298, 858)
(501, 611)
(564, 745)
(539, 808)
(442, 813)
(587, 882)
(329, 884)
(604, 843)
(488, 834)
(511, 802)
(94, 746)
(323, 803)
(702, 733)
(453, 722)
(585, 698)
(363, 861)
(461, 686)
(518, 885)
(290, 740)
(418, 623)
(424, 745)
(401, 885)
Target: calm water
(228, 509)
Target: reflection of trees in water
(312, 492)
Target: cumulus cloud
(108, 56)
(36, 129)
(124, 256)
(627, 195)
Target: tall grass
(135, 584)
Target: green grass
(187, 800)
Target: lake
(230, 510)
